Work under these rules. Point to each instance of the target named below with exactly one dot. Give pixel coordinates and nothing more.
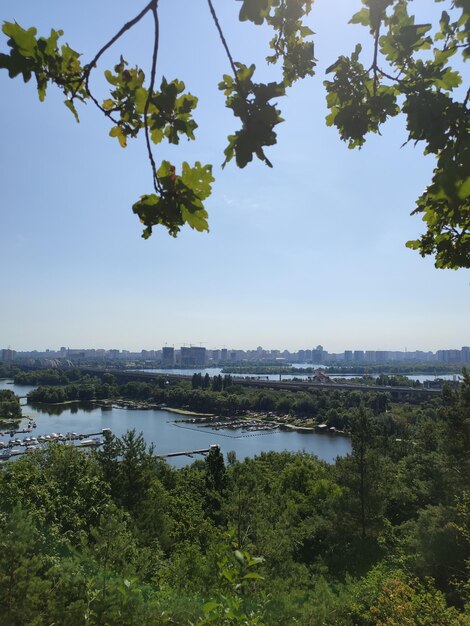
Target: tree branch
(87, 69)
(124, 29)
(375, 61)
(224, 43)
(156, 182)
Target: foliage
(134, 106)
(415, 70)
(117, 536)
(238, 605)
(10, 409)
(380, 537)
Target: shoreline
(185, 412)
(205, 418)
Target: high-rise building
(168, 356)
(381, 356)
(448, 356)
(358, 356)
(193, 356)
(8, 355)
(318, 354)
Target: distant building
(370, 356)
(449, 356)
(318, 354)
(168, 357)
(76, 353)
(348, 356)
(359, 356)
(193, 356)
(148, 355)
(8, 355)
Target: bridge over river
(397, 393)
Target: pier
(189, 453)
(10, 449)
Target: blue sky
(312, 251)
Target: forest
(380, 537)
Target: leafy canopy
(415, 70)
(135, 106)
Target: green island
(223, 397)
(10, 410)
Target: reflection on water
(58, 409)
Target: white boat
(90, 442)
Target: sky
(309, 252)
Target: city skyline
(314, 353)
(314, 246)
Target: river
(215, 371)
(161, 428)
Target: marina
(12, 447)
(161, 428)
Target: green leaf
(464, 190)
(141, 96)
(108, 104)
(24, 40)
(210, 606)
(69, 104)
(116, 131)
(253, 576)
(239, 556)
(361, 17)
(254, 10)
(449, 80)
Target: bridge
(399, 393)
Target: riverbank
(185, 411)
(121, 403)
(255, 422)
(6, 424)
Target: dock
(84, 440)
(202, 451)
